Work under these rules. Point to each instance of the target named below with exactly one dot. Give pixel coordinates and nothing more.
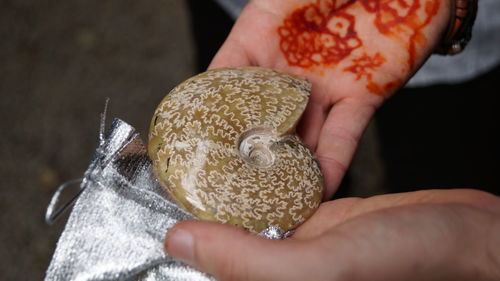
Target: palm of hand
(355, 53)
(406, 236)
(334, 213)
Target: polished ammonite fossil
(223, 144)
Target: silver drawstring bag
(120, 217)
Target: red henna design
(431, 9)
(389, 87)
(364, 65)
(309, 37)
(376, 89)
(393, 15)
(322, 33)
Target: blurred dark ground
(59, 60)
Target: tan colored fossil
(223, 144)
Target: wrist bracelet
(460, 28)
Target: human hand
(356, 53)
(425, 235)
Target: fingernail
(180, 244)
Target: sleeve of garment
(481, 54)
(232, 7)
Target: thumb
(231, 253)
(339, 138)
(231, 54)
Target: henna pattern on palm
(324, 33)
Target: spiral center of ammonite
(255, 147)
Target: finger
(339, 138)
(310, 124)
(230, 253)
(231, 54)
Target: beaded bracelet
(460, 28)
